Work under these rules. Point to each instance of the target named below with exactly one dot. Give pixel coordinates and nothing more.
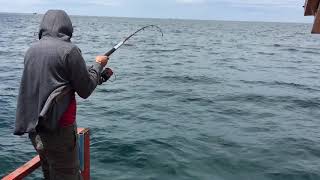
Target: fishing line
(107, 73)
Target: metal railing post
(84, 157)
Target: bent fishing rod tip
(131, 35)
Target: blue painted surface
(81, 151)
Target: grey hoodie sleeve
(83, 79)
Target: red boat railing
(311, 8)
(84, 157)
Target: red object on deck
(34, 163)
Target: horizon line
(162, 18)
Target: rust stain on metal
(311, 7)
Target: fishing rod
(107, 72)
(127, 38)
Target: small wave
(266, 53)
(111, 90)
(153, 108)
(115, 113)
(165, 93)
(177, 64)
(310, 52)
(154, 44)
(191, 61)
(133, 153)
(213, 53)
(189, 79)
(235, 68)
(257, 129)
(276, 45)
(236, 111)
(129, 45)
(288, 102)
(292, 174)
(5, 53)
(305, 103)
(116, 150)
(291, 49)
(187, 45)
(163, 50)
(200, 100)
(285, 67)
(281, 83)
(5, 69)
(147, 61)
(192, 46)
(148, 67)
(243, 59)
(177, 31)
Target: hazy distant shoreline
(180, 19)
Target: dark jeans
(58, 153)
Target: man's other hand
(103, 60)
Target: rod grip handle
(110, 52)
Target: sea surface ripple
(211, 100)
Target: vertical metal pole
(86, 154)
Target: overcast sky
(245, 10)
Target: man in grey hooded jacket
(54, 70)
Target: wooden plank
(316, 24)
(310, 7)
(24, 170)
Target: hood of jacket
(56, 23)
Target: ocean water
(211, 100)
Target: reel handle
(106, 74)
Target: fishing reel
(105, 75)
